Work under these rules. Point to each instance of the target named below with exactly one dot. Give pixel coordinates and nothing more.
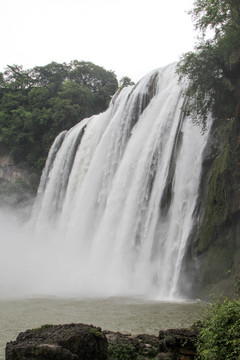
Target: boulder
(61, 342)
(180, 342)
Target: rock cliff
(16, 181)
(212, 262)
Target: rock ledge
(87, 342)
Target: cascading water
(115, 204)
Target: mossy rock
(219, 198)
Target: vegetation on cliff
(213, 69)
(219, 203)
(37, 104)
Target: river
(126, 315)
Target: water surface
(127, 315)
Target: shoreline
(88, 342)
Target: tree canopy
(213, 68)
(125, 81)
(37, 104)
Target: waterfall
(116, 200)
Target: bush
(122, 352)
(219, 337)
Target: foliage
(37, 104)
(219, 337)
(237, 285)
(102, 83)
(219, 15)
(125, 81)
(122, 352)
(213, 69)
(43, 327)
(95, 332)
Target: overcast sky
(130, 37)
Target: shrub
(219, 337)
(122, 352)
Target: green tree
(125, 81)
(38, 97)
(37, 104)
(213, 69)
(101, 82)
(50, 76)
(16, 129)
(16, 78)
(77, 94)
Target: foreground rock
(86, 342)
(180, 342)
(172, 344)
(59, 342)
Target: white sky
(130, 37)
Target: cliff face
(16, 181)
(213, 258)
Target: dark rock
(172, 344)
(86, 342)
(59, 342)
(212, 256)
(166, 356)
(180, 342)
(132, 346)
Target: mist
(14, 258)
(30, 264)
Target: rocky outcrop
(179, 342)
(59, 342)
(17, 183)
(171, 344)
(212, 260)
(87, 342)
(9, 171)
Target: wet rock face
(17, 182)
(9, 171)
(59, 342)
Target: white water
(102, 223)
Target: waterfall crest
(115, 204)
